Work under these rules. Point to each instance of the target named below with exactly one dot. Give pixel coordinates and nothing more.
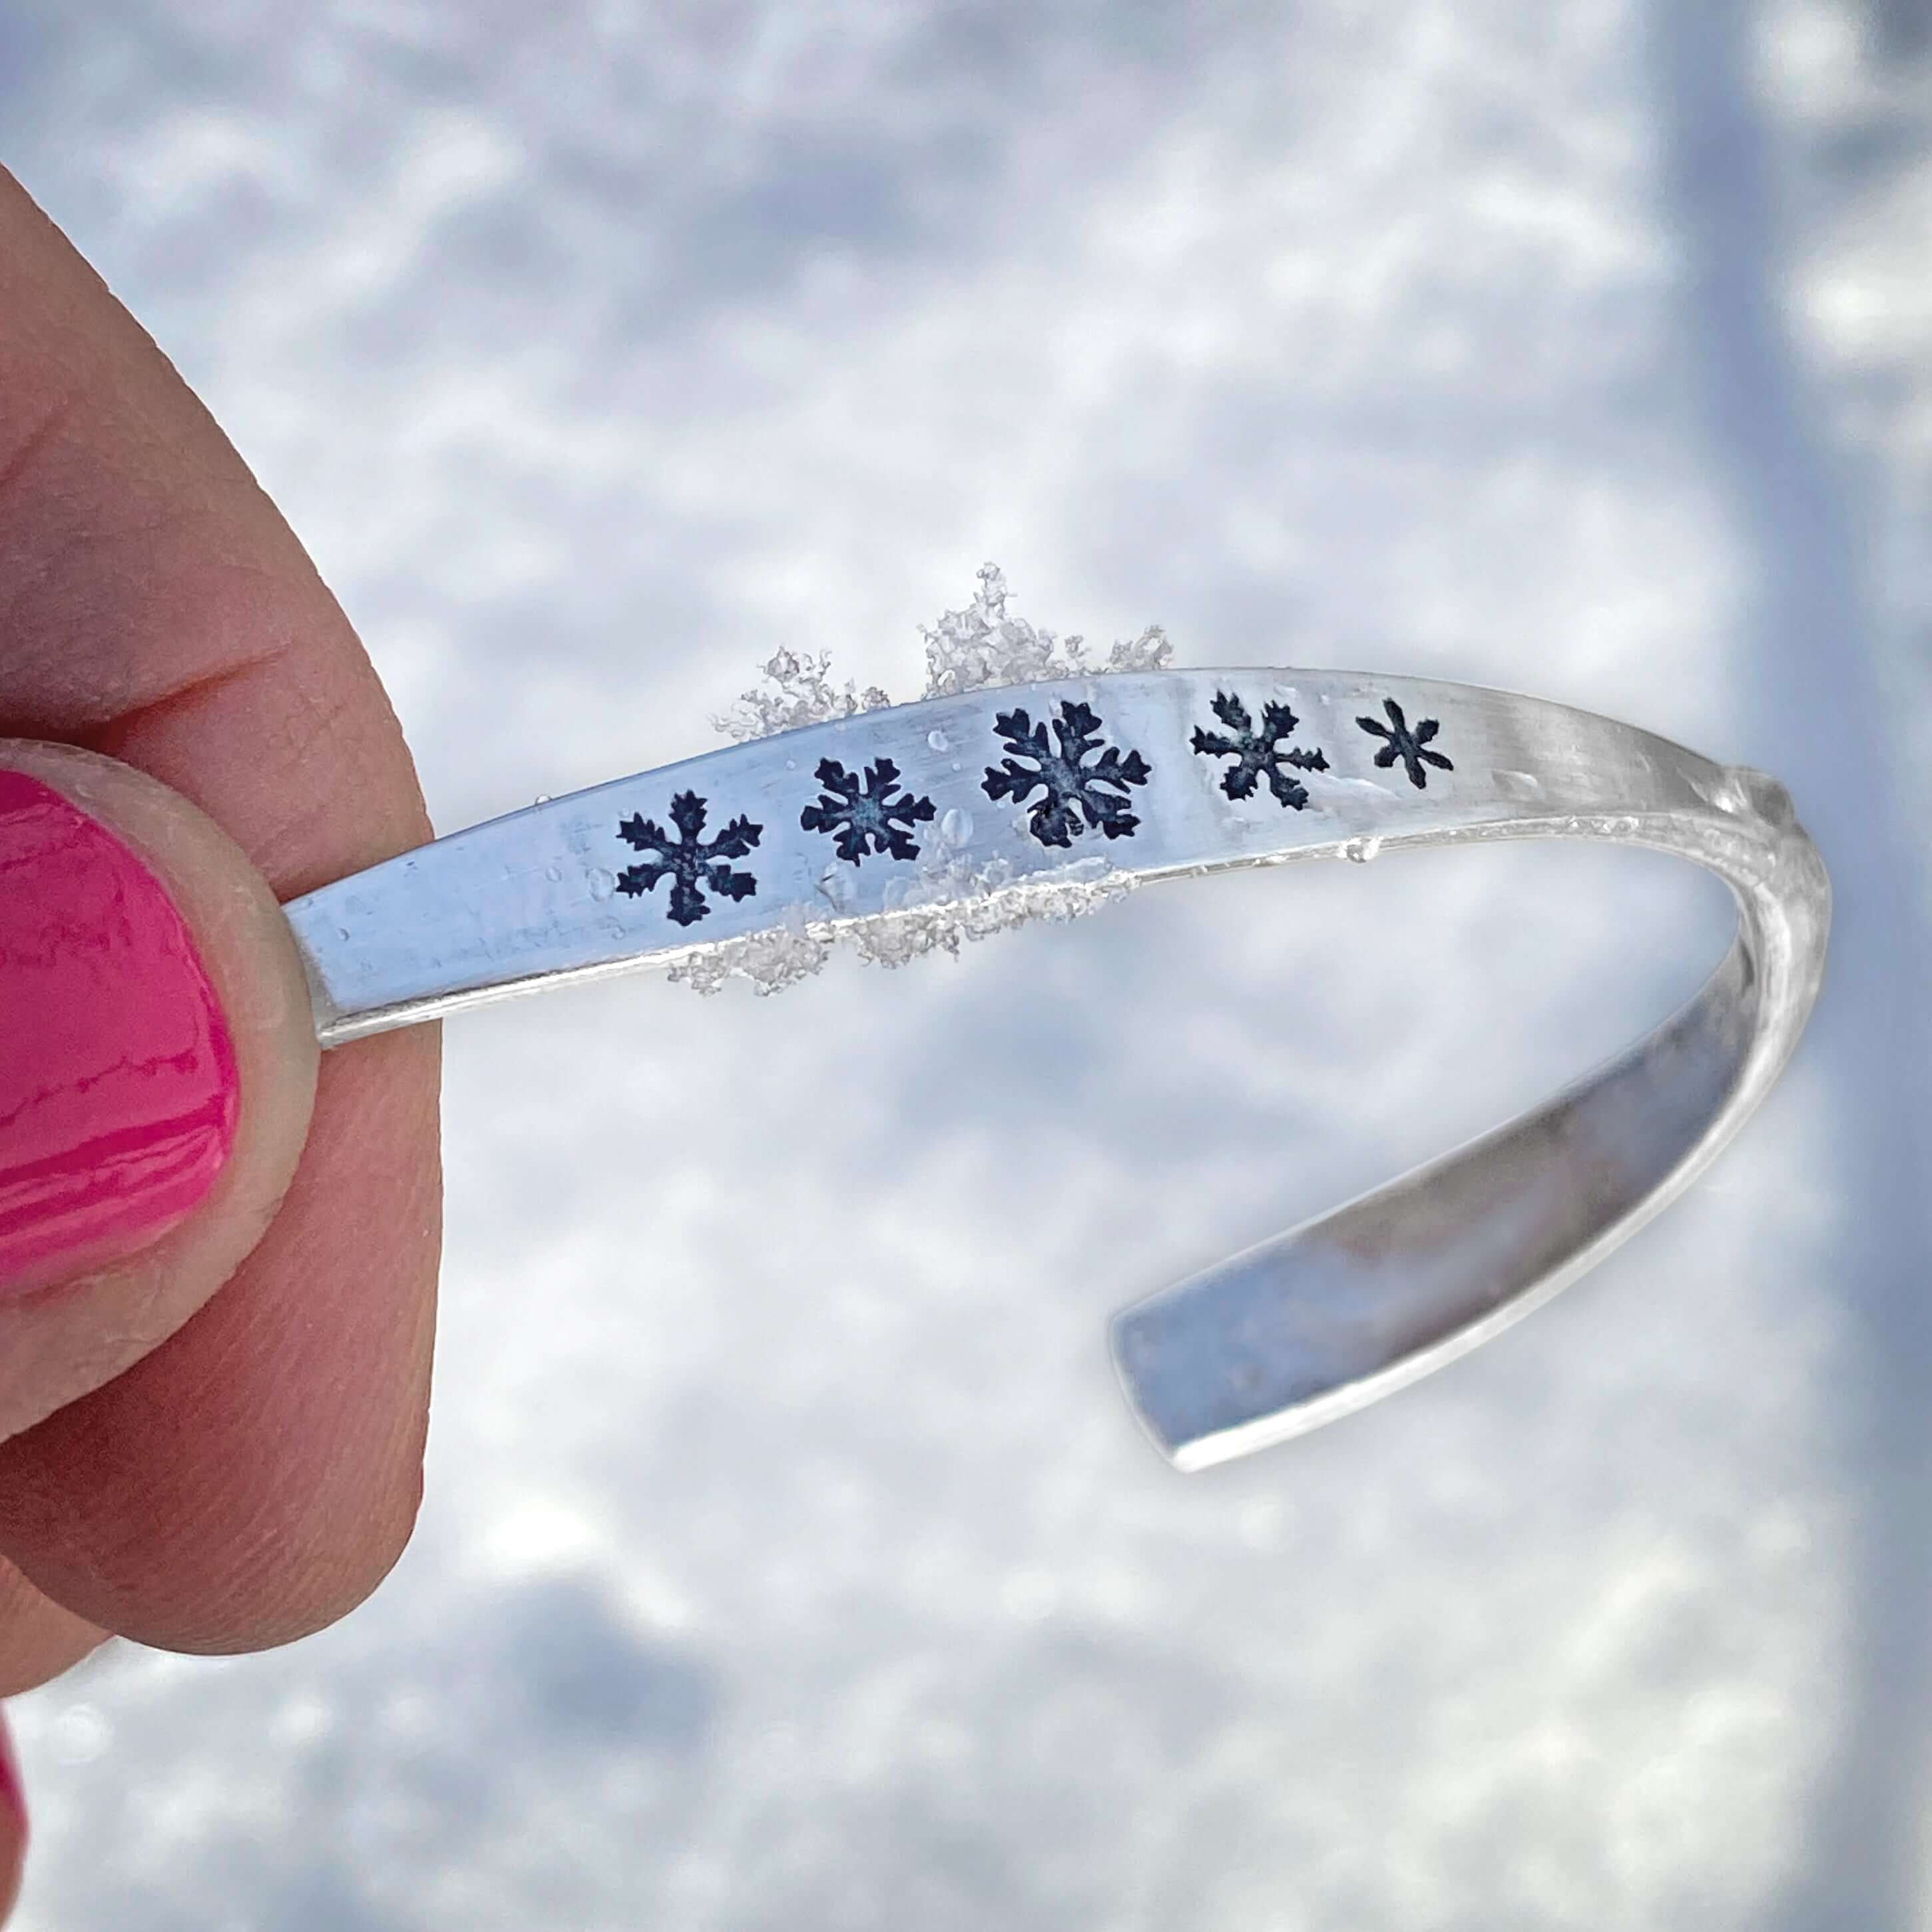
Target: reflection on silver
(1047, 815)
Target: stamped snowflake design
(1258, 753)
(1410, 746)
(691, 862)
(868, 817)
(1075, 793)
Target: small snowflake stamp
(868, 819)
(691, 862)
(1410, 746)
(1259, 753)
(1075, 795)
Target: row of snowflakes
(1082, 785)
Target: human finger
(256, 1469)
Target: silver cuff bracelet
(906, 829)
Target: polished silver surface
(1323, 1319)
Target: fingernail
(118, 1087)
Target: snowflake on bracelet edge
(1410, 746)
(1069, 785)
(1258, 752)
(871, 819)
(691, 862)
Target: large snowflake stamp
(1259, 754)
(691, 862)
(1075, 794)
(1410, 745)
(865, 817)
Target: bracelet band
(906, 829)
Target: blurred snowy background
(789, 1560)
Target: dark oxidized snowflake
(690, 862)
(1410, 746)
(1075, 793)
(1256, 753)
(868, 819)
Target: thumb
(157, 1066)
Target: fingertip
(256, 1477)
(121, 1090)
(158, 1074)
(39, 1639)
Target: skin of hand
(212, 1413)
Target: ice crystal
(949, 903)
(984, 645)
(976, 649)
(771, 961)
(801, 692)
(954, 903)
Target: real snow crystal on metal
(982, 647)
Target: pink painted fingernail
(118, 1087)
